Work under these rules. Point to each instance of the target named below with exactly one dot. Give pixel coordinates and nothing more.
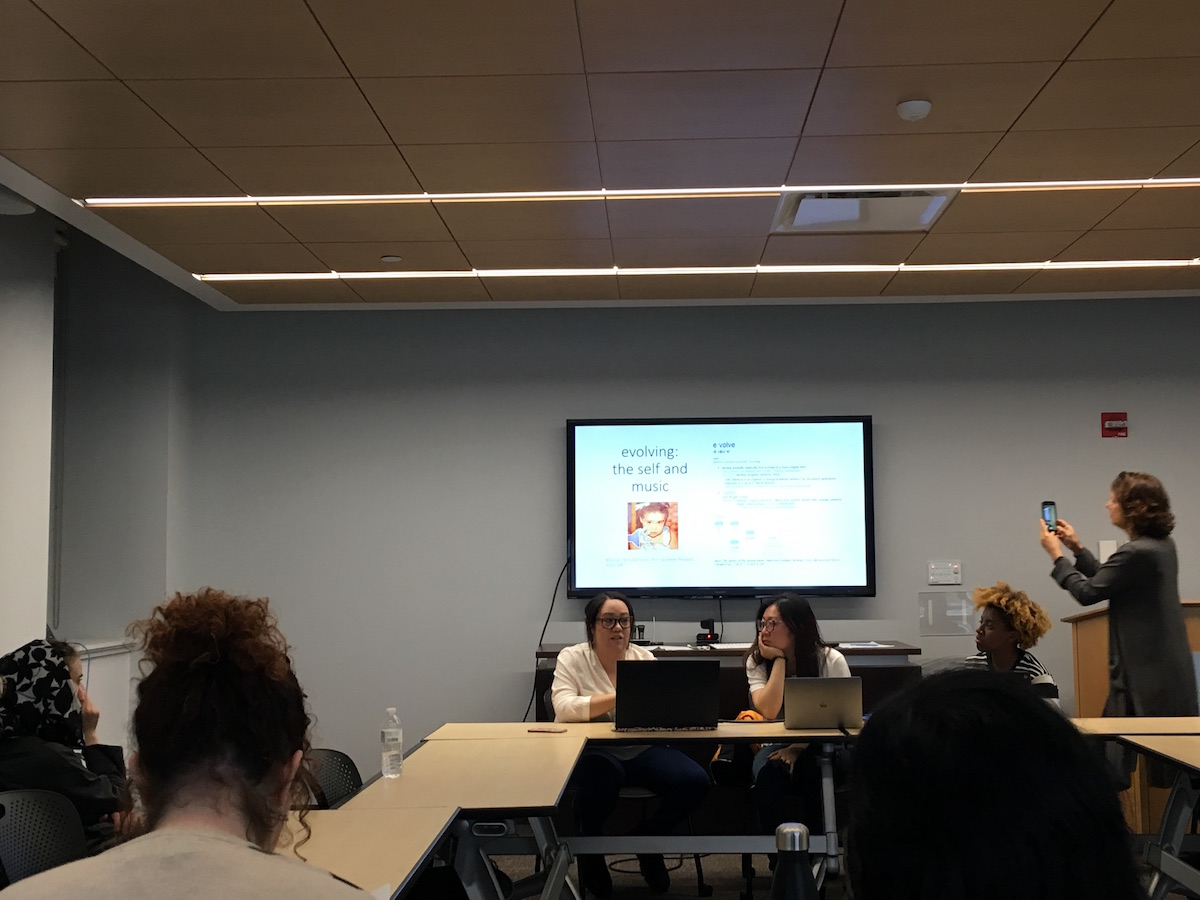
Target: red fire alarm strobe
(1114, 424)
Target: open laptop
(667, 694)
(822, 703)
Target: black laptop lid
(667, 693)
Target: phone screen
(1050, 514)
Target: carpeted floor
(723, 872)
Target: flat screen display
(721, 507)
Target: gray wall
(395, 481)
(26, 376)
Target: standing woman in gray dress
(1150, 669)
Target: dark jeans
(680, 782)
(782, 796)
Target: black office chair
(337, 777)
(645, 795)
(38, 831)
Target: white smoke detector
(913, 110)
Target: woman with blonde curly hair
(222, 733)
(1009, 624)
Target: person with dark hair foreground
(969, 786)
(1149, 661)
(48, 735)
(222, 732)
(585, 690)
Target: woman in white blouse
(789, 644)
(585, 689)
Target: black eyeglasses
(611, 622)
(768, 625)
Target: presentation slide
(728, 506)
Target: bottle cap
(791, 836)
(391, 710)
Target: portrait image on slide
(653, 525)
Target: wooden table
(379, 850)
(1163, 854)
(766, 732)
(1134, 725)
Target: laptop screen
(667, 694)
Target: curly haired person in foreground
(222, 732)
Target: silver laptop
(822, 703)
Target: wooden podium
(1089, 645)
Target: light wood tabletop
(514, 774)
(603, 731)
(1183, 749)
(1140, 725)
(372, 848)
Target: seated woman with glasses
(585, 690)
(789, 644)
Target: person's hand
(766, 651)
(1066, 534)
(788, 755)
(90, 715)
(1050, 541)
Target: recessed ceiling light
(390, 258)
(913, 110)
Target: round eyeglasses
(768, 625)
(611, 622)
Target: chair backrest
(38, 831)
(337, 777)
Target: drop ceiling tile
(156, 172)
(1157, 208)
(890, 158)
(420, 290)
(656, 252)
(695, 35)
(1149, 243)
(683, 105)
(284, 293)
(857, 284)
(953, 284)
(369, 222)
(982, 97)
(316, 170)
(265, 112)
(200, 38)
(924, 32)
(684, 287)
(1022, 246)
(1020, 211)
(34, 48)
(692, 218)
(79, 115)
(1180, 279)
(581, 288)
(681, 164)
(209, 259)
(1131, 29)
(197, 225)
(555, 220)
(414, 256)
(839, 249)
(1099, 153)
(1117, 93)
(453, 37)
(452, 168)
(1092, 281)
(1186, 166)
(485, 110)
(582, 254)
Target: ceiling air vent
(831, 211)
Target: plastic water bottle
(391, 742)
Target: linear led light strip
(629, 194)
(1049, 265)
